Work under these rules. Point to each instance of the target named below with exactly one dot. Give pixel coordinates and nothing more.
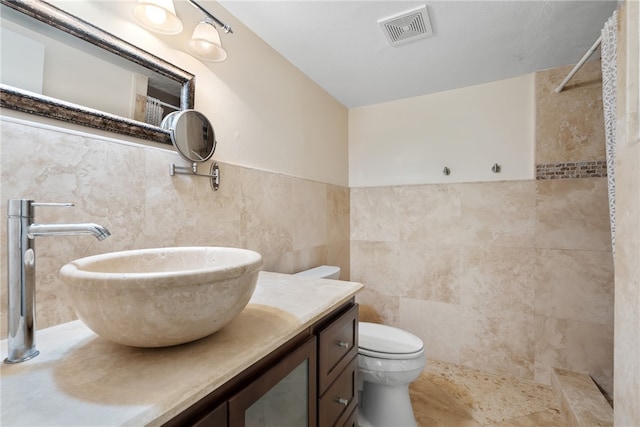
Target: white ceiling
(340, 45)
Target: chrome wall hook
(495, 168)
(446, 170)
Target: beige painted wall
(512, 277)
(266, 113)
(410, 141)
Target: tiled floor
(453, 396)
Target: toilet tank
(321, 272)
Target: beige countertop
(81, 379)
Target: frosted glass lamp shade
(158, 16)
(205, 43)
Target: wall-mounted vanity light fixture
(160, 16)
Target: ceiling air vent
(407, 27)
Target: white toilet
(389, 359)
(322, 272)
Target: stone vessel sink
(163, 296)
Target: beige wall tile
(573, 214)
(374, 214)
(429, 273)
(499, 214)
(106, 183)
(184, 209)
(627, 353)
(627, 286)
(428, 214)
(309, 214)
(502, 343)
(497, 279)
(447, 330)
(378, 308)
(570, 124)
(576, 346)
(267, 215)
(338, 211)
(338, 229)
(302, 259)
(375, 264)
(627, 260)
(574, 285)
(466, 255)
(627, 215)
(127, 188)
(339, 254)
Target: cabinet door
(215, 418)
(284, 395)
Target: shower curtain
(609, 80)
(153, 111)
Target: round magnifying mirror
(191, 133)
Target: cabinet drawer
(352, 419)
(337, 345)
(340, 399)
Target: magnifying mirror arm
(213, 175)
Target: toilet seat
(387, 342)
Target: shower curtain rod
(579, 64)
(163, 103)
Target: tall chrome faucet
(21, 269)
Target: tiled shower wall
(627, 262)
(295, 223)
(511, 277)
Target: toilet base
(386, 406)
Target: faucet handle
(25, 207)
(63, 205)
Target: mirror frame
(41, 105)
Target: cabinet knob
(342, 401)
(343, 344)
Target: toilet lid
(321, 272)
(387, 339)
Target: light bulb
(204, 46)
(205, 43)
(155, 14)
(158, 16)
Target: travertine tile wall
(627, 261)
(574, 261)
(509, 277)
(295, 223)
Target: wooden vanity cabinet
(284, 395)
(325, 353)
(217, 417)
(338, 368)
